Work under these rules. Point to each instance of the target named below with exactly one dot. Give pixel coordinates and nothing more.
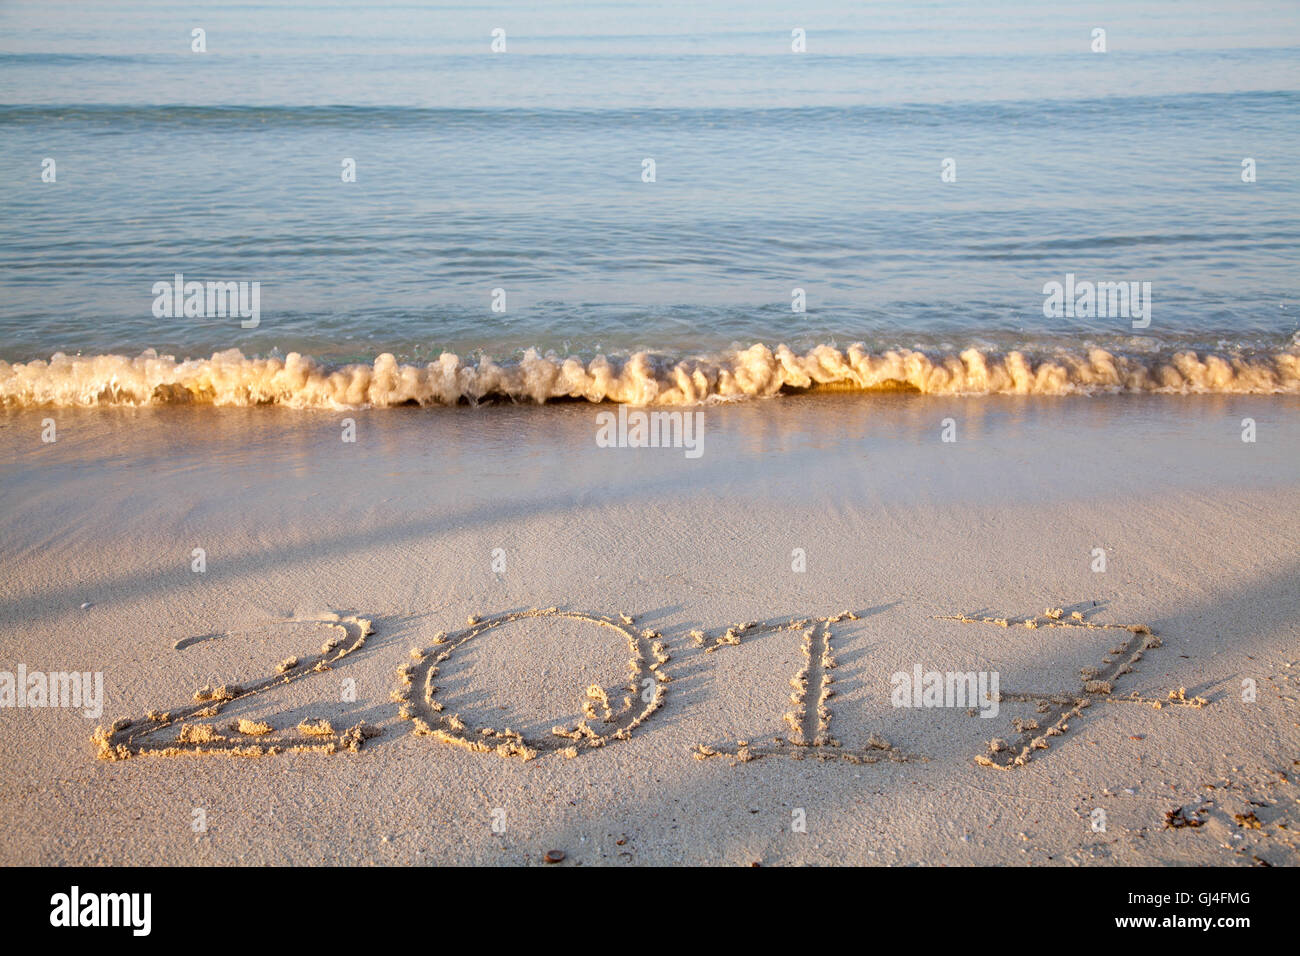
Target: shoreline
(229, 378)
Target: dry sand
(305, 536)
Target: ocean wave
(120, 117)
(230, 379)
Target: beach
(436, 516)
(713, 434)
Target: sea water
(645, 202)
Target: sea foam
(231, 379)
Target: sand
(737, 710)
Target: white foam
(229, 378)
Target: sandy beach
(801, 508)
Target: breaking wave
(231, 379)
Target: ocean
(673, 203)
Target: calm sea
(918, 173)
